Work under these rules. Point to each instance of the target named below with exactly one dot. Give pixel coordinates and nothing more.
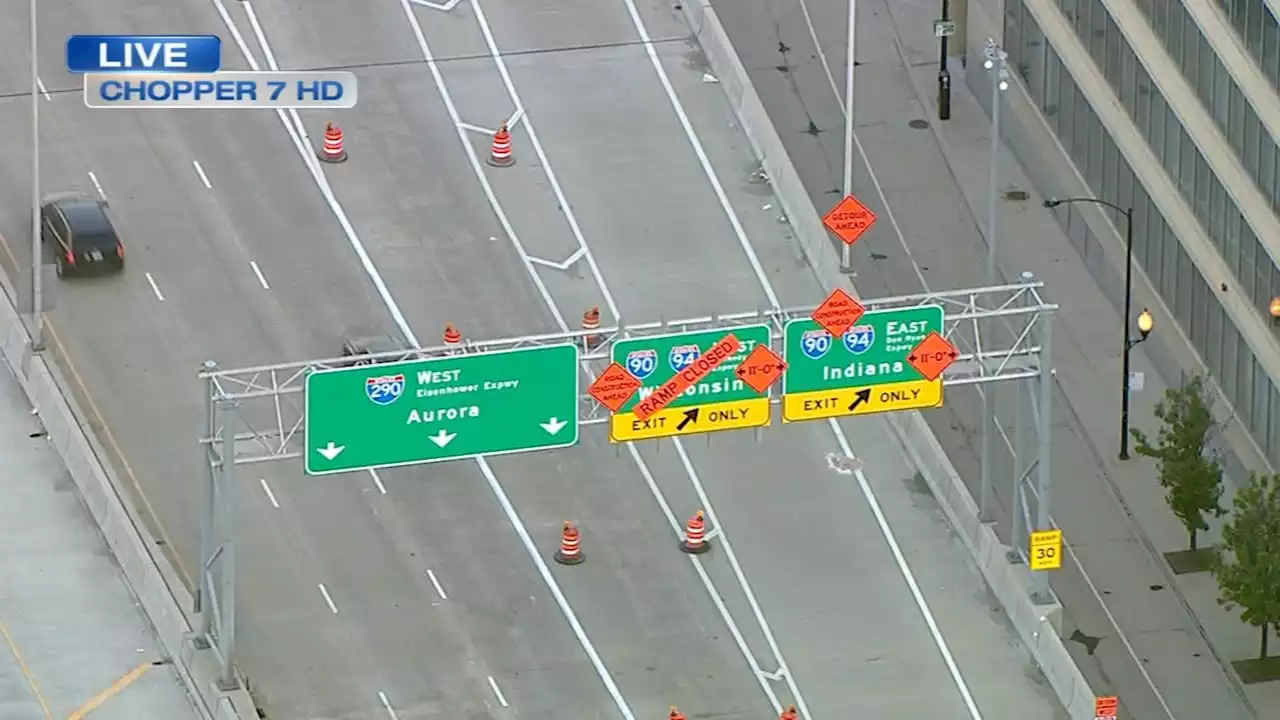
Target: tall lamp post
(37, 251)
(1145, 319)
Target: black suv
(76, 228)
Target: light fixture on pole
(1274, 310)
(1145, 320)
(995, 61)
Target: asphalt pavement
(409, 588)
(1130, 632)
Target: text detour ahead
(718, 399)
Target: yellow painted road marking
(713, 417)
(97, 700)
(107, 435)
(26, 671)
(893, 397)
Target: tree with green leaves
(1189, 472)
(1248, 572)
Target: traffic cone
(790, 714)
(570, 552)
(695, 535)
(451, 335)
(675, 714)
(501, 156)
(332, 152)
(591, 321)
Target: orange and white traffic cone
(591, 321)
(675, 714)
(451, 335)
(789, 714)
(501, 155)
(570, 552)
(695, 535)
(332, 151)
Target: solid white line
(477, 129)
(707, 169)
(97, 185)
(497, 693)
(910, 579)
(561, 200)
(200, 171)
(554, 587)
(476, 166)
(328, 600)
(298, 134)
(43, 90)
(716, 597)
(270, 495)
(378, 481)
(154, 288)
(257, 271)
(435, 583)
(387, 704)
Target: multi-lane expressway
(413, 592)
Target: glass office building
(1190, 44)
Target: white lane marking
(267, 53)
(203, 177)
(567, 610)
(327, 599)
(497, 57)
(298, 135)
(97, 185)
(43, 90)
(698, 150)
(301, 143)
(257, 271)
(862, 151)
(378, 481)
(716, 597)
(435, 583)
(502, 700)
(561, 199)
(387, 704)
(270, 495)
(154, 287)
(476, 166)
(910, 579)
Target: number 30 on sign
(1046, 550)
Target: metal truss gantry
(1002, 333)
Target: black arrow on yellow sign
(864, 395)
(690, 416)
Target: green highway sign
(867, 370)
(655, 359)
(423, 411)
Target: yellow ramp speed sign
(1046, 550)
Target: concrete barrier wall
(1037, 625)
(153, 580)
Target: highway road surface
(927, 236)
(427, 590)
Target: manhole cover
(1017, 195)
(918, 124)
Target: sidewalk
(71, 638)
(1167, 630)
(1113, 515)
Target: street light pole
(1145, 320)
(995, 61)
(846, 250)
(37, 316)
